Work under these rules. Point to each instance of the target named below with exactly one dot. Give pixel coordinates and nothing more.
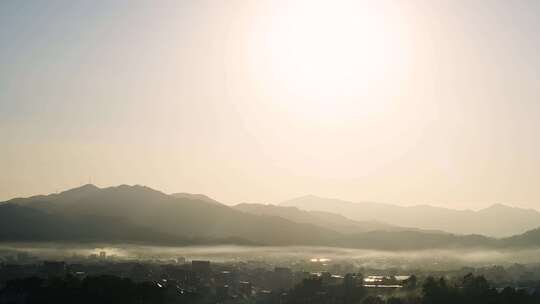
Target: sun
(329, 57)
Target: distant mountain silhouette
(324, 219)
(185, 218)
(496, 221)
(192, 196)
(143, 215)
(530, 238)
(63, 197)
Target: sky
(404, 102)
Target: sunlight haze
(403, 102)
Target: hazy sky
(259, 101)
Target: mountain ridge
(324, 219)
(144, 215)
(497, 220)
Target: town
(185, 280)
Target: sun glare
(332, 56)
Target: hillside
(192, 196)
(180, 217)
(20, 223)
(143, 215)
(496, 221)
(327, 220)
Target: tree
(438, 292)
(373, 300)
(410, 283)
(353, 290)
(394, 300)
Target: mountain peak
(82, 189)
(196, 196)
(497, 207)
(89, 186)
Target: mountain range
(496, 221)
(143, 215)
(324, 219)
(169, 216)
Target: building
(54, 269)
(201, 267)
(222, 293)
(245, 288)
(282, 278)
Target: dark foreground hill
(143, 215)
(167, 216)
(21, 223)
